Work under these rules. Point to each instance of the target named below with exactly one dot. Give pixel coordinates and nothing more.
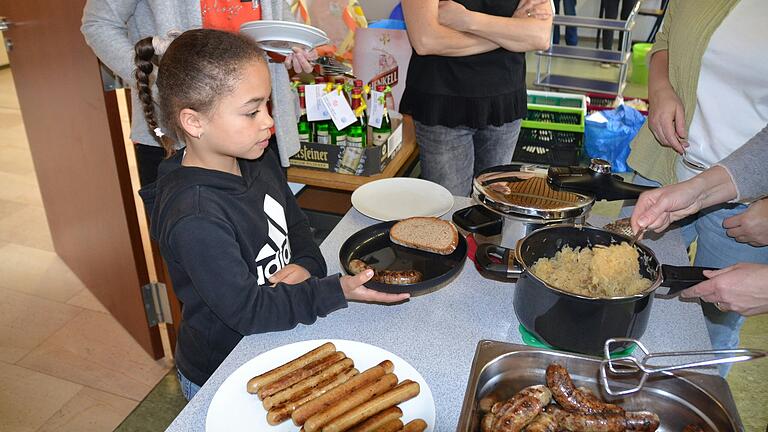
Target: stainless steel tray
(678, 398)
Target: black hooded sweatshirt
(222, 237)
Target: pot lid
(523, 190)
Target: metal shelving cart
(545, 78)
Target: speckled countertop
(437, 333)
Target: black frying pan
(373, 246)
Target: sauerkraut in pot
(601, 271)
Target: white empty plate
(281, 37)
(234, 409)
(401, 197)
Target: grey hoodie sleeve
(283, 104)
(105, 27)
(746, 166)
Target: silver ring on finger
(529, 13)
(719, 306)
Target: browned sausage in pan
(573, 400)
(578, 422)
(544, 422)
(516, 413)
(641, 421)
(644, 421)
(390, 277)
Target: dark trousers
(147, 159)
(612, 12)
(571, 33)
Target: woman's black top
(475, 91)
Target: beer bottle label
(355, 141)
(380, 138)
(339, 140)
(323, 137)
(304, 137)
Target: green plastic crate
(555, 111)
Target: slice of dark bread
(426, 233)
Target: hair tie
(159, 132)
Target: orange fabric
(228, 15)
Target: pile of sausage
(576, 410)
(323, 392)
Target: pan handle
(478, 219)
(488, 254)
(678, 278)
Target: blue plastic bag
(388, 24)
(610, 140)
(397, 13)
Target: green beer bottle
(322, 128)
(356, 132)
(305, 128)
(380, 135)
(338, 137)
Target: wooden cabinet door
(73, 128)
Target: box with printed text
(351, 160)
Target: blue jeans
(571, 33)
(715, 249)
(188, 388)
(452, 157)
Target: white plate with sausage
(233, 408)
(400, 198)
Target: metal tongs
(331, 66)
(328, 66)
(630, 365)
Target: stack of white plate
(282, 36)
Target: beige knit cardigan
(687, 29)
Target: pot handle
(477, 219)
(678, 278)
(486, 256)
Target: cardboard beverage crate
(350, 159)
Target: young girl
(238, 248)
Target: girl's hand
(290, 274)
(539, 9)
(354, 290)
(666, 119)
(453, 15)
(751, 226)
(741, 288)
(300, 60)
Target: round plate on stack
(282, 36)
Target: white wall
(378, 9)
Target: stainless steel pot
(518, 199)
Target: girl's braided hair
(199, 67)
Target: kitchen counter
(438, 332)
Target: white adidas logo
(277, 249)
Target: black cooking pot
(571, 321)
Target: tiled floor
(65, 364)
